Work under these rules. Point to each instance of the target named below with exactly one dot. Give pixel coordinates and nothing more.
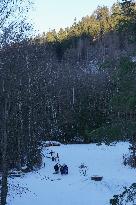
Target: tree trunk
(4, 188)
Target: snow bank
(51, 143)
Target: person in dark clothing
(64, 169)
(57, 157)
(51, 152)
(61, 170)
(56, 168)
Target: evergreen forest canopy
(75, 85)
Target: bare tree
(13, 27)
(13, 20)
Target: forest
(76, 85)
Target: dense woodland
(71, 86)
(75, 85)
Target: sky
(56, 14)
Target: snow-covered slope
(44, 187)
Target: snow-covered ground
(44, 187)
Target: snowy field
(44, 187)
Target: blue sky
(54, 14)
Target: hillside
(75, 86)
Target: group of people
(54, 157)
(63, 169)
